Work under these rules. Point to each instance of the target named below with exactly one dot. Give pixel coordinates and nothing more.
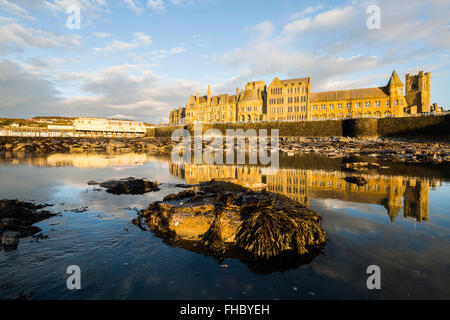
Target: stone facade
(251, 104)
(288, 99)
(210, 108)
(292, 100)
(418, 92)
(376, 102)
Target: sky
(137, 59)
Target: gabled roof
(251, 95)
(277, 81)
(353, 94)
(296, 80)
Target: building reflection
(396, 193)
(78, 160)
(393, 192)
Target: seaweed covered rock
(128, 186)
(17, 219)
(267, 231)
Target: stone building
(418, 92)
(292, 100)
(221, 108)
(251, 104)
(288, 100)
(378, 102)
(100, 125)
(177, 116)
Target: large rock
(128, 186)
(267, 231)
(17, 219)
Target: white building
(106, 125)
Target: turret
(395, 83)
(397, 100)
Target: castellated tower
(418, 91)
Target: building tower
(418, 92)
(397, 100)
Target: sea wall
(432, 126)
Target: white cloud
(101, 34)
(126, 91)
(140, 40)
(156, 5)
(334, 18)
(177, 50)
(15, 9)
(85, 5)
(15, 37)
(263, 30)
(334, 45)
(307, 11)
(135, 5)
(91, 9)
(22, 92)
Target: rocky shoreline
(400, 150)
(74, 145)
(17, 219)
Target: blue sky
(139, 58)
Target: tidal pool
(399, 221)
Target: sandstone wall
(433, 126)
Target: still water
(399, 221)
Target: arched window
(349, 115)
(387, 113)
(331, 116)
(359, 115)
(367, 114)
(340, 115)
(377, 114)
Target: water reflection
(122, 264)
(396, 193)
(77, 160)
(392, 192)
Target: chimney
(196, 97)
(238, 92)
(209, 94)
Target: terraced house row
(292, 100)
